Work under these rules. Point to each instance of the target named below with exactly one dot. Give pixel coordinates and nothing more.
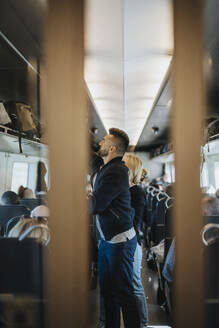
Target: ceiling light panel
(128, 45)
(147, 28)
(103, 28)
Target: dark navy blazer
(111, 199)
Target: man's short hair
(123, 140)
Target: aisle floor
(157, 316)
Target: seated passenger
(144, 180)
(169, 263)
(163, 182)
(28, 194)
(158, 250)
(169, 190)
(40, 232)
(204, 191)
(154, 184)
(40, 211)
(210, 206)
(9, 198)
(25, 193)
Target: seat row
(7, 212)
(160, 244)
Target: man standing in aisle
(112, 206)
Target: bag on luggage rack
(25, 117)
(22, 118)
(4, 117)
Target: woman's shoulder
(137, 190)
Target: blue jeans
(138, 290)
(115, 264)
(138, 287)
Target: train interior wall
(18, 169)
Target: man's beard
(103, 152)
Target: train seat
(31, 203)
(211, 219)
(158, 224)
(212, 285)
(11, 223)
(21, 269)
(9, 211)
(21, 291)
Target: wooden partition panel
(66, 113)
(188, 101)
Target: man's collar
(115, 159)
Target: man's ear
(112, 149)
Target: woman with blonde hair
(134, 165)
(144, 174)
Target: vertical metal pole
(66, 113)
(187, 121)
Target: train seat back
(158, 223)
(21, 267)
(9, 211)
(212, 285)
(211, 219)
(31, 203)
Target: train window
(32, 172)
(168, 172)
(19, 175)
(216, 174)
(204, 176)
(172, 172)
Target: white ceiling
(128, 49)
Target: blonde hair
(144, 174)
(40, 233)
(134, 165)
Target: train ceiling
(129, 47)
(128, 52)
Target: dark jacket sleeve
(109, 187)
(138, 203)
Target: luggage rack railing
(8, 131)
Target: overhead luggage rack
(10, 131)
(9, 142)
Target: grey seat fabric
(21, 277)
(11, 223)
(211, 219)
(158, 222)
(211, 284)
(22, 269)
(31, 203)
